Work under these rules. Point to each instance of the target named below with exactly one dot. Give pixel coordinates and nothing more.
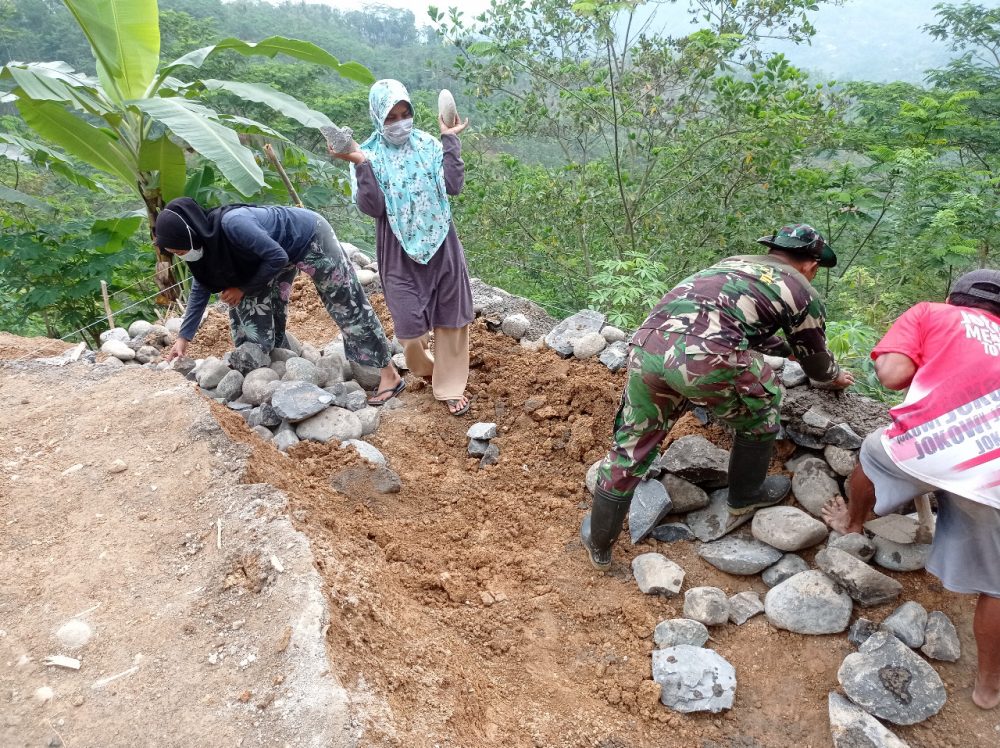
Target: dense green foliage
(608, 158)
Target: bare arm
(895, 370)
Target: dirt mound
(463, 612)
(465, 605)
(13, 347)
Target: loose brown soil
(463, 612)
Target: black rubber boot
(602, 526)
(750, 487)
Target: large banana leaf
(199, 128)
(91, 144)
(125, 38)
(9, 195)
(280, 102)
(275, 45)
(21, 149)
(166, 158)
(250, 127)
(44, 83)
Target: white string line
(98, 321)
(141, 280)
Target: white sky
(418, 7)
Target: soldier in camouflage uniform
(697, 346)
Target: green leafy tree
(637, 156)
(136, 120)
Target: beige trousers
(447, 367)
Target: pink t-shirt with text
(947, 430)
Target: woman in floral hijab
(402, 177)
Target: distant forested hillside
(615, 148)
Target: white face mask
(192, 255)
(398, 132)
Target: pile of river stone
(287, 395)
(684, 498)
(293, 394)
(583, 335)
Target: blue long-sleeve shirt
(277, 236)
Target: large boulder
(813, 486)
(707, 605)
(117, 349)
(297, 401)
(566, 333)
(615, 356)
(255, 385)
(693, 679)
(650, 504)
(247, 357)
(210, 373)
(589, 345)
(890, 681)
(331, 423)
(852, 727)
(676, 631)
(657, 575)
(808, 603)
(863, 583)
(941, 639)
(230, 387)
(298, 369)
(907, 623)
(684, 495)
(694, 458)
(787, 528)
(739, 556)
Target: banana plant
(135, 120)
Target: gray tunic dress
(420, 297)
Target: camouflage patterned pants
(261, 319)
(665, 375)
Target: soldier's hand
(844, 380)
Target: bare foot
(838, 517)
(984, 697)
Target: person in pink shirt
(944, 437)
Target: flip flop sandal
(461, 411)
(394, 390)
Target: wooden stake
(281, 173)
(925, 519)
(107, 305)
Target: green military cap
(801, 238)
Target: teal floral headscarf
(411, 177)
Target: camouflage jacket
(742, 302)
